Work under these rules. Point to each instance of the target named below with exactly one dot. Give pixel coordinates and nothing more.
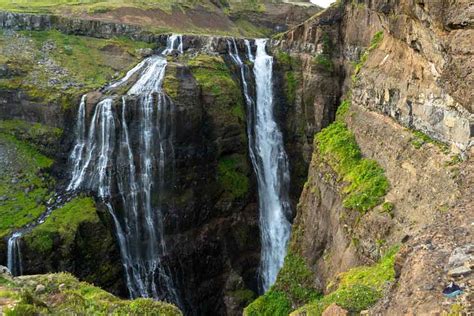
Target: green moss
(273, 303)
(291, 85)
(215, 78)
(243, 296)
(25, 188)
(216, 81)
(295, 279)
(366, 182)
(238, 111)
(359, 288)
(342, 110)
(290, 66)
(324, 62)
(232, 176)
(62, 223)
(420, 139)
(293, 287)
(375, 42)
(171, 83)
(387, 207)
(42, 137)
(78, 298)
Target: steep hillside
(239, 18)
(394, 171)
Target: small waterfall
(128, 168)
(14, 254)
(269, 160)
(174, 42)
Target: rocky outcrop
(415, 76)
(399, 65)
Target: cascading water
(14, 255)
(269, 160)
(131, 176)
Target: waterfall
(14, 255)
(269, 160)
(125, 159)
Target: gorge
(325, 168)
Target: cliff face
(402, 69)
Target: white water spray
(132, 175)
(269, 160)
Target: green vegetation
(365, 180)
(216, 81)
(359, 288)
(243, 296)
(290, 66)
(215, 78)
(324, 60)
(90, 6)
(63, 224)
(171, 82)
(42, 137)
(273, 303)
(294, 287)
(23, 186)
(55, 67)
(387, 207)
(295, 279)
(65, 295)
(232, 175)
(102, 6)
(420, 139)
(376, 40)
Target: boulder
(335, 310)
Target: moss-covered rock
(42, 137)
(62, 225)
(64, 294)
(358, 289)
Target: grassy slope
(62, 223)
(64, 295)
(57, 6)
(23, 186)
(53, 67)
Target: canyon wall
(400, 71)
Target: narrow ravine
(269, 160)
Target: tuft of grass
(359, 288)
(365, 180)
(374, 43)
(272, 303)
(232, 177)
(62, 224)
(295, 279)
(387, 207)
(420, 139)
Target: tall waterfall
(124, 154)
(269, 160)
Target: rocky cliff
(392, 171)
(374, 102)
